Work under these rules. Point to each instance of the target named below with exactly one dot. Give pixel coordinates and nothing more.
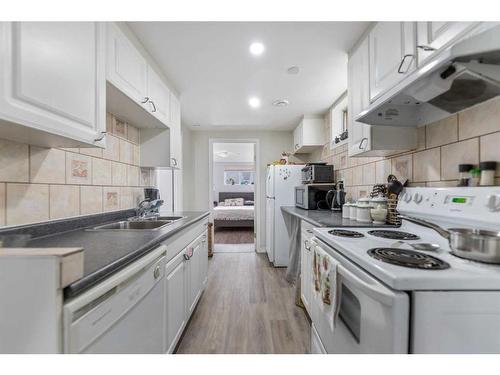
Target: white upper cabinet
(53, 83)
(392, 55)
(434, 36)
(358, 94)
(364, 139)
(175, 131)
(158, 97)
(127, 69)
(309, 135)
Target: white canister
(379, 209)
(353, 211)
(363, 212)
(346, 211)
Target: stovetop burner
(346, 233)
(408, 258)
(393, 235)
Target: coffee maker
(151, 194)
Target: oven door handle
(371, 287)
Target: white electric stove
(395, 299)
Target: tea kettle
(336, 198)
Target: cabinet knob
(186, 257)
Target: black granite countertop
(106, 252)
(327, 218)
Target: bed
(234, 216)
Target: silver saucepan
(474, 244)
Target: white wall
(272, 144)
(218, 178)
(187, 170)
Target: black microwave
(312, 196)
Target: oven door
(301, 199)
(371, 317)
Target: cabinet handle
(361, 143)
(174, 162)
(145, 100)
(402, 63)
(156, 272)
(153, 104)
(186, 257)
(308, 248)
(101, 137)
(426, 48)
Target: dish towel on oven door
(327, 284)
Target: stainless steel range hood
(459, 77)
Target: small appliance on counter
(336, 197)
(317, 173)
(313, 196)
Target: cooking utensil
(393, 185)
(474, 244)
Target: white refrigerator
(280, 191)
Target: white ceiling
(236, 152)
(211, 67)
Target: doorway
(233, 195)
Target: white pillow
(234, 202)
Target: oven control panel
(469, 204)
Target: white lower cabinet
(185, 278)
(52, 83)
(176, 317)
(306, 266)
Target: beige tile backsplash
(39, 184)
(470, 136)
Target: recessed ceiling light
(293, 70)
(281, 103)
(254, 102)
(257, 48)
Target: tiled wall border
(30, 195)
(459, 133)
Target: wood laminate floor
(234, 235)
(248, 307)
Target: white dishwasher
(123, 314)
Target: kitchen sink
(135, 225)
(170, 218)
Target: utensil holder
(392, 212)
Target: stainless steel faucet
(148, 208)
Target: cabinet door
(392, 55)
(176, 309)
(53, 80)
(304, 273)
(175, 131)
(204, 261)
(298, 136)
(195, 279)
(358, 98)
(434, 36)
(126, 68)
(159, 97)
